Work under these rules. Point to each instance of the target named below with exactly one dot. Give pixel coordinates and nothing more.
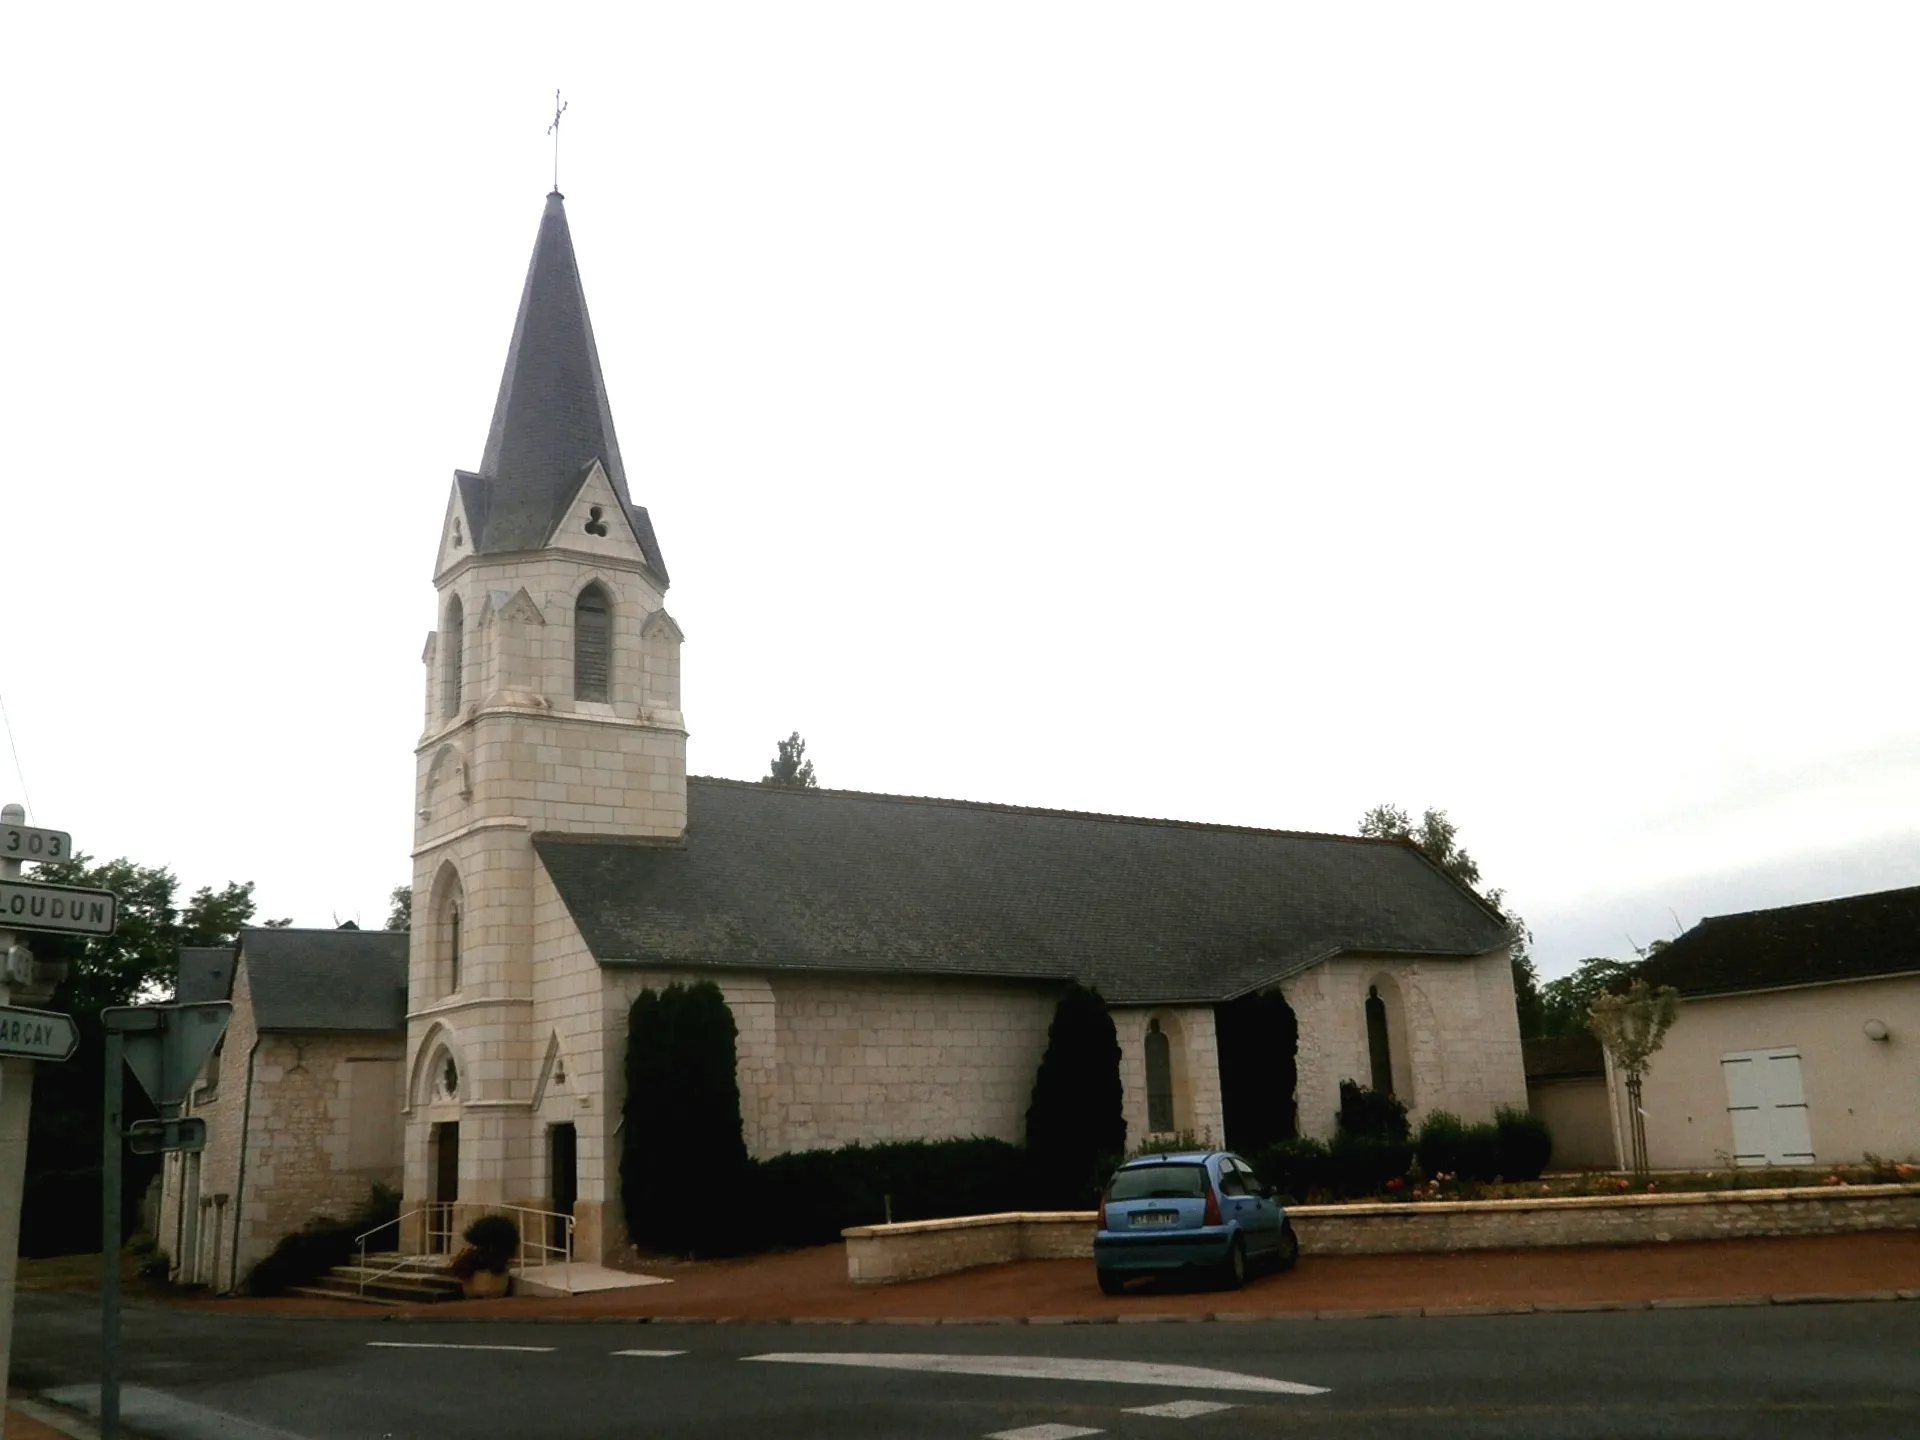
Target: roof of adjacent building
(552, 419)
(1853, 938)
(327, 979)
(1563, 1057)
(1149, 911)
(206, 973)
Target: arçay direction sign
(68, 909)
(37, 1034)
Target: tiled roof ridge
(1828, 903)
(307, 930)
(1005, 808)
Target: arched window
(451, 645)
(453, 943)
(592, 644)
(1159, 1080)
(1379, 1056)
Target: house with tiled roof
(892, 962)
(301, 1098)
(1797, 1040)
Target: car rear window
(1160, 1182)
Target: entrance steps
(417, 1280)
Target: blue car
(1196, 1209)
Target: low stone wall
(914, 1250)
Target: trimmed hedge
(808, 1197)
(1526, 1144)
(1371, 1114)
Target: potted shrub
(481, 1268)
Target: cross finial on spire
(554, 130)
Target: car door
(1264, 1212)
(1242, 1206)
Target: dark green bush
(1449, 1146)
(1075, 1119)
(496, 1237)
(1296, 1169)
(1526, 1145)
(1371, 1114)
(682, 1145)
(1363, 1164)
(319, 1245)
(810, 1196)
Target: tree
(1566, 1001)
(138, 962)
(1438, 838)
(1075, 1120)
(1633, 1025)
(791, 768)
(682, 1150)
(401, 916)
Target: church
(891, 962)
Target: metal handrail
(432, 1209)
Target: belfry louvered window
(451, 639)
(592, 645)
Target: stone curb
(1197, 1317)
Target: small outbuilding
(1797, 1041)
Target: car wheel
(1288, 1249)
(1112, 1282)
(1233, 1274)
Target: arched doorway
(1258, 1037)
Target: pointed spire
(552, 419)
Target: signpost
(157, 1137)
(29, 1035)
(65, 909)
(37, 1034)
(23, 842)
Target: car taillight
(1212, 1217)
(1105, 1224)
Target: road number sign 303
(24, 842)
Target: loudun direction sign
(67, 909)
(37, 1034)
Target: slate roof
(206, 973)
(1562, 1057)
(551, 420)
(1853, 938)
(327, 979)
(1150, 911)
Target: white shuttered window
(1768, 1106)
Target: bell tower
(552, 705)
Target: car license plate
(1155, 1217)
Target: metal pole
(110, 1140)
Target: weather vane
(554, 130)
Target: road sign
(156, 1137)
(167, 1044)
(65, 908)
(24, 842)
(37, 1034)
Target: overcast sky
(1244, 413)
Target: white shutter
(1768, 1107)
(1792, 1139)
(1747, 1108)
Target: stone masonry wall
(300, 1138)
(1194, 1056)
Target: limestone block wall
(1194, 1054)
(1453, 1033)
(307, 1136)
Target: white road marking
(429, 1345)
(1047, 1367)
(1181, 1409)
(651, 1354)
(1043, 1432)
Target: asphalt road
(1806, 1371)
